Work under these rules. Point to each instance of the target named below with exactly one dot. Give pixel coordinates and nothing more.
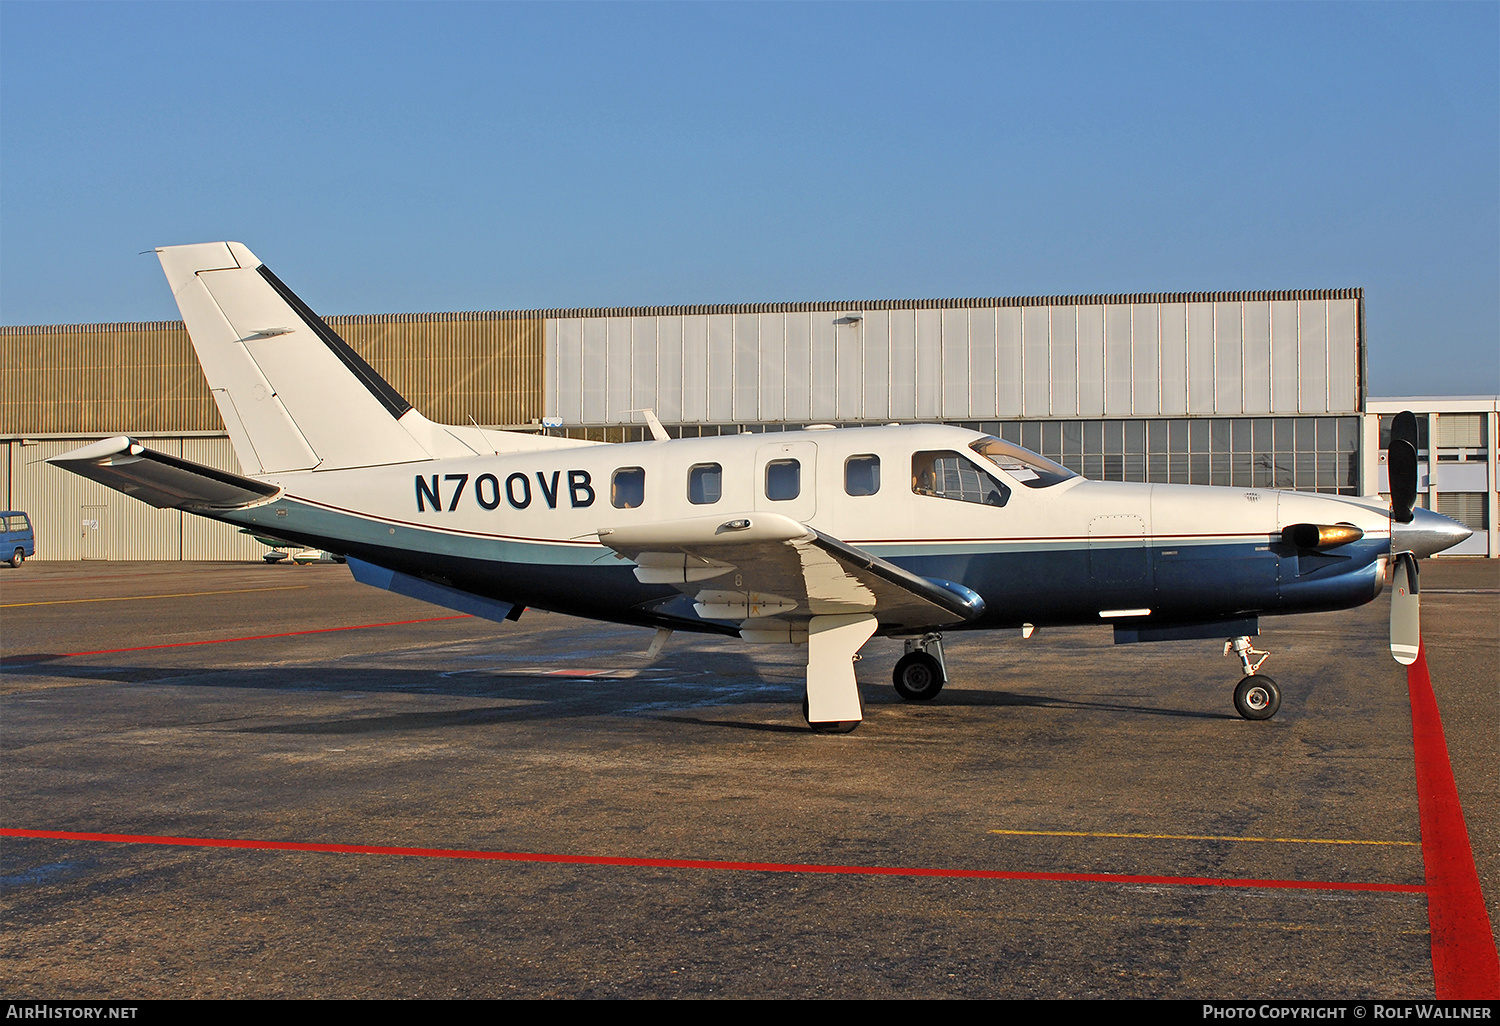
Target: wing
(771, 574)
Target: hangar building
(1230, 388)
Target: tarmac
(1067, 819)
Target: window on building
(705, 483)
(947, 475)
(783, 480)
(1468, 508)
(862, 475)
(627, 489)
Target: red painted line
(261, 637)
(712, 864)
(1465, 966)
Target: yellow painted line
(137, 598)
(1199, 837)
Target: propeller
(1401, 466)
(1406, 605)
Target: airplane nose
(1427, 533)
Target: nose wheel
(1257, 697)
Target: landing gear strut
(921, 673)
(1256, 697)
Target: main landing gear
(921, 673)
(1256, 697)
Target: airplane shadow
(664, 691)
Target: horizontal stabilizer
(166, 482)
(430, 591)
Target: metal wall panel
(1145, 349)
(825, 366)
(566, 341)
(1312, 377)
(929, 364)
(1036, 363)
(982, 378)
(1117, 361)
(695, 370)
(669, 382)
(1343, 355)
(1256, 340)
(876, 401)
(1064, 360)
(747, 343)
(849, 370)
(1228, 359)
(1008, 386)
(1174, 379)
(721, 368)
(1200, 357)
(956, 364)
(7, 453)
(799, 366)
(772, 365)
(643, 365)
(617, 366)
(1284, 359)
(1090, 360)
(594, 371)
(903, 364)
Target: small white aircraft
(815, 538)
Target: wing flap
(163, 481)
(761, 569)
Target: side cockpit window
(945, 474)
(627, 489)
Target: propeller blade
(1404, 427)
(1406, 611)
(1401, 465)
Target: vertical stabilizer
(293, 394)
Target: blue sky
(397, 157)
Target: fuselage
(1043, 550)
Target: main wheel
(918, 677)
(1257, 698)
(17, 558)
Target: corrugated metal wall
(143, 377)
(103, 378)
(75, 518)
(1145, 356)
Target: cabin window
(705, 483)
(783, 480)
(627, 489)
(945, 474)
(862, 475)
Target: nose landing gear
(1256, 697)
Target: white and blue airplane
(816, 538)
